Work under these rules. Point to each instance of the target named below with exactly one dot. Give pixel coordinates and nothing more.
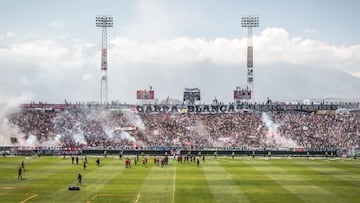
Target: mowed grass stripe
(295, 183)
(223, 187)
(94, 179)
(158, 185)
(127, 186)
(9, 167)
(191, 184)
(174, 185)
(332, 169)
(340, 181)
(50, 169)
(260, 180)
(255, 185)
(38, 172)
(352, 164)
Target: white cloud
(45, 53)
(49, 54)
(88, 76)
(56, 24)
(310, 31)
(76, 66)
(10, 35)
(356, 74)
(178, 50)
(273, 45)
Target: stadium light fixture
(249, 22)
(104, 21)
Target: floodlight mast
(250, 22)
(104, 21)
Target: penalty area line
(7, 188)
(174, 184)
(111, 195)
(32, 196)
(92, 198)
(137, 198)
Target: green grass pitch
(242, 179)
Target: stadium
(179, 149)
(293, 127)
(214, 153)
(188, 152)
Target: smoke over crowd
(118, 128)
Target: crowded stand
(128, 128)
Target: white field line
(32, 196)
(92, 198)
(174, 181)
(137, 198)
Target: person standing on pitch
(23, 165)
(79, 178)
(20, 173)
(144, 162)
(253, 154)
(97, 162)
(121, 154)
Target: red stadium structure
(145, 96)
(242, 94)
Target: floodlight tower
(104, 21)
(250, 22)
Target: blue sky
(58, 38)
(327, 20)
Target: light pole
(104, 21)
(250, 22)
